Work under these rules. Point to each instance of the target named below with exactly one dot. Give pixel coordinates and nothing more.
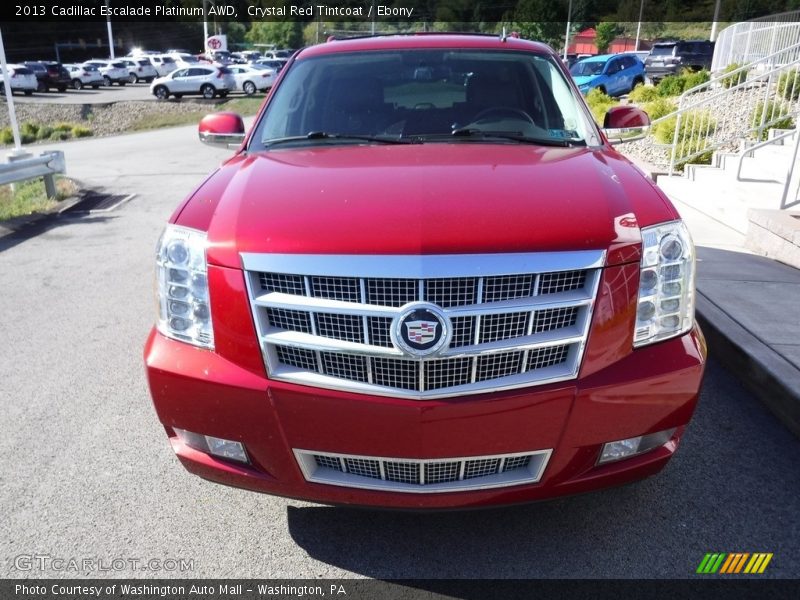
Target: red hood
(425, 199)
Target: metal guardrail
(753, 40)
(46, 166)
(742, 103)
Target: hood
(585, 79)
(422, 199)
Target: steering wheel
(504, 111)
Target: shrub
(599, 103)
(28, 129)
(643, 93)
(672, 85)
(6, 136)
(694, 79)
(44, 132)
(59, 135)
(789, 85)
(690, 146)
(63, 127)
(695, 124)
(777, 116)
(80, 131)
(658, 108)
(732, 80)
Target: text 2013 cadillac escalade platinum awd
(425, 280)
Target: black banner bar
(361, 589)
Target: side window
(613, 67)
(180, 73)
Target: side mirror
(224, 129)
(625, 124)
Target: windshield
(587, 67)
(424, 95)
(662, 50)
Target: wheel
(29, 92)
(208, 91)
(162, 93)
(77, 84)
(178, 96)
(223, 93)
(106, 80)
(601, 89)
(62, 88)
(132, 78)
(636, 82)
(249, 88)
(41, 87)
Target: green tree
(540, 20)
(284, 34)
(236, 33)
(606, 32)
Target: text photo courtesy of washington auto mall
(399, 299)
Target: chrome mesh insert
(292, 320)
(321, 327)
(404, 472)
(423, 475)
(341, 327)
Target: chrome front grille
(516, 319)
(423, 475)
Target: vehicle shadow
(21, 230)
(672, 518)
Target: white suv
(84, 75)
(139, 69)
(163, 63)
(22, 79)
(206, 80)
(113, 71)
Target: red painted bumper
(651, 389)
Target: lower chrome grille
(328, 321)
(423, 475)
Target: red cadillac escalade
(425, 279)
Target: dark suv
(50, 75)
(668, 58)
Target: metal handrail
(742, 41)
(743, 154)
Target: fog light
(613, 451)
(213, 445)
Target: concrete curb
(760, 369)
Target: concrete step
(721, 197)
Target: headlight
(182, 287)
(666, 284)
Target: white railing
(743, 103)
(751, 41)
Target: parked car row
(211, 81)
(618, 74)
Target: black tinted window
(662, 50)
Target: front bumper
(652, 389)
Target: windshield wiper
(323, 135)
(516, 136)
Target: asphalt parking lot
(87, 470)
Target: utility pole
(566, 35)
(715, 22)
(205, 26)
(12, 114)
(110, 36)
(639, 25)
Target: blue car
(612, 74)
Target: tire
(132, 78)
(29, 92)
(601, 89)
(223, 93)
(638, 81)
(106, 80)
(162, 93)
(208, 91)
(77, 84)
(249, 88)
(178, 96)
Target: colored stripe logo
(734, 562)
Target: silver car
(139, 69)
(207, 80)
(113, 71)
